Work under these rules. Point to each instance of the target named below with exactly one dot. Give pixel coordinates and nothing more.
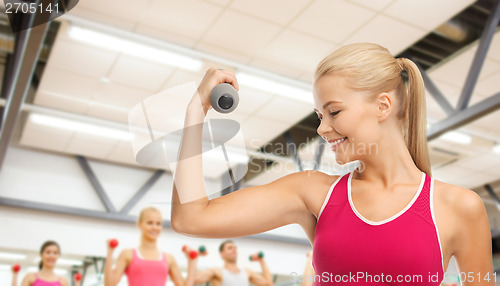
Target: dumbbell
(192, 253)
(16, 268)
(113, 243)
(224, 98)
(202, 251)
(256, 256)
(77, 276)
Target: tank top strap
(137, 253)
(337, 194)
(422, 205)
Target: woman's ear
(384, 106)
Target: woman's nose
(323, 129)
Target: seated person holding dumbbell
(231, 274)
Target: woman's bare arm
(112, 276)
(473, 240)
(244, 212)
(28, 279)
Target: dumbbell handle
(256, 256)
(194, 253)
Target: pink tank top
(40, 282)
(401, 250)
(141, 272)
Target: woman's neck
(148, 244)
(391, 163)
(46, 270)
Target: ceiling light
(274, 87)
(234, 154)
(81, 127)
(12, 256)
(133, 48)
(496, 149)
(456, 137)
(5, 267)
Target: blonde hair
(373, 68)
(146, 210)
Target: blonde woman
(390, 224)
(146, 264)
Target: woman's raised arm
(244, 212)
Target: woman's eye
(334, 113)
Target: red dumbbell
(16, 268)
(77, 276)
(113, 243)
(192, 253)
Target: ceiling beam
(479, 57)
(53, 208)
(25, 57)
(96, 185)
(435, 92)
(141, 192)
(465, 116)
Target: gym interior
(73, 88)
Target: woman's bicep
(251, 210)
(27, 280)
(121, 264)
(174, 272)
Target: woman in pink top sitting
(146, 265)
(49, 254)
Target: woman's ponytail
(416, 121)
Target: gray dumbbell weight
(224, 98)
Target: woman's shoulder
(460, 201)
(31, 277)
(314, 187)
(127, 254)
(314, 177)
(128, 251)
(64, 281)
(303, 182)
(169, 257)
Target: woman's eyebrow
(328, 103)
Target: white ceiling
(286, 38)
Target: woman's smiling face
(348, 118)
